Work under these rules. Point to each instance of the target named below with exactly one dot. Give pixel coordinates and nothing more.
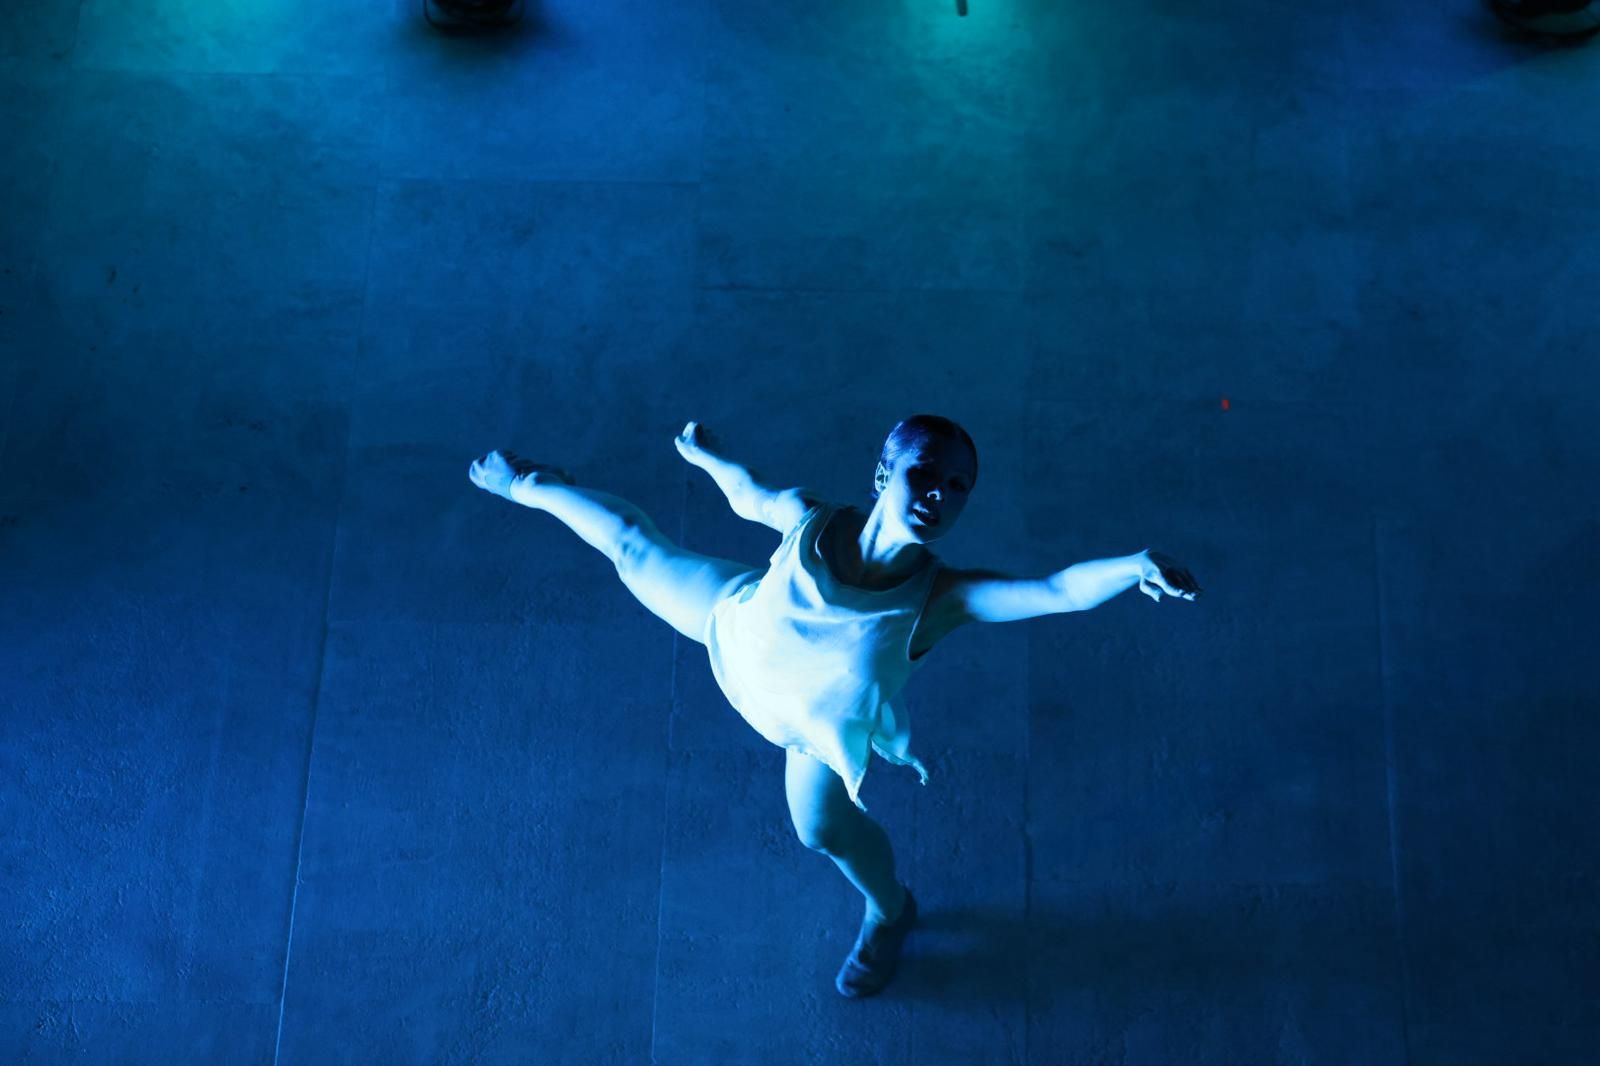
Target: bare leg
(601, 520)
(867, 859)
(678, 586)
(825, 820)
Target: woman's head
(925, 472)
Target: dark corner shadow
(533, 31)
(1517, 41)
(995, 956)
(1474, 45)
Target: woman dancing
(814, 649)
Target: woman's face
(928, 487)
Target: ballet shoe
(871, 964)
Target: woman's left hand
(1162, 573)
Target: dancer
(813, 649)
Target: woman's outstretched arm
(989, 596)
(748, 494)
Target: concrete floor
(311, 752)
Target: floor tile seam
(10, 412)
(384, 176)
(322, 645)
(305, 793)
(902, 290)
(1386, 701)
(159, 1002)
(1026, 763)
(666, 811)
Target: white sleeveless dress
(814, 664)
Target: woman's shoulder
(791, 509)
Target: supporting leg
(866, 857)
(826, 821)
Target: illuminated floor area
(312, 752)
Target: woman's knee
(821, 833)
(638, 542)
(824, 818)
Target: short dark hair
(918, 430)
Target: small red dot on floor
(1224, 403)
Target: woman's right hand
(1162, 573)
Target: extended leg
(678, 586)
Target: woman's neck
(879, 554)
